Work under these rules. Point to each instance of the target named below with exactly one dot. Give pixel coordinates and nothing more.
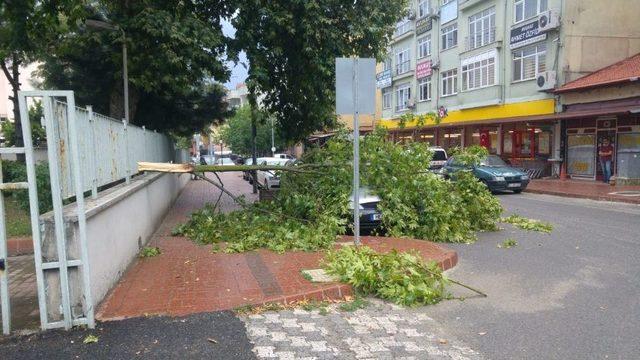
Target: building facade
(489, 68)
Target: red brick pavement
(19, 246)
(188, 278)
(583, 189)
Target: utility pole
(254, 148)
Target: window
(449, 36)
(402, 27)
(479, 74)
(424, 47)
(387, 64)
(525, 9)
(403, 96)
(423, 8)
(529, 61)
(424, 89)
(445, 2)
(403, 61)
(449, 82)
(482, 28)
(386, 98)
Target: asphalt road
(219, 335)
(573, 294)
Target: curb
(584, 196)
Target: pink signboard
(423, 69)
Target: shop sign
(423, 69)
(423, 25)
(442, 112)
(526, 34)
(383, 79)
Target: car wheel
(266, 185)
(517, 191)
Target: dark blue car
(493, 172)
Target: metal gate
(62, 138)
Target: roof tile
(622, 71)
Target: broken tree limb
(190, 168)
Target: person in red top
(605, 155)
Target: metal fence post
(144, 143)
(34, 208)
(58, 216)
(82, 219)
(127, 178)
(92, 163)
(5, 304)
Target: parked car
(493, 172)
(283, 156)
(439, 158)
(207, 159)
(224, 161)
(370, 216)
(268, 179)
(246, 175)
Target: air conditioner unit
(548, 20)
(435, 64)
(411, 15)
(411, 104)
(546, 80)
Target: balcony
(403, 28)
(403, 67)
(480, 39)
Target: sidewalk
(188, 278)
(586, 189)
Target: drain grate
(626, 193)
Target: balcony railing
(403, 67)
(479, 39)
(403, 28)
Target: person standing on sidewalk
(605, 155)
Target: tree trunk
(14, 79)
(116, 102)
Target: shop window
(581, 154)
(529, 61)
(450, 138)
(628, 155)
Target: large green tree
(292, 45)
(27, 28)
(236, 133)
(176, 53)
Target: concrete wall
(598, 33)
(602, 94)
(119, 223)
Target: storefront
(585, 137)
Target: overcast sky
(238, 72)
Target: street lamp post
(103, 25)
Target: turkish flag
(485, 139)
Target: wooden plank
(165, 167)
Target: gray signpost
(355, 94)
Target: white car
(439, 158)
(268, 179)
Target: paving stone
(380, 331)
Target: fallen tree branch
(190, 168)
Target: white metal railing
(479, 39)
(109, 149)
(402, 28)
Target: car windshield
(493, 160)
(439, 155)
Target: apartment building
(489, 68)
